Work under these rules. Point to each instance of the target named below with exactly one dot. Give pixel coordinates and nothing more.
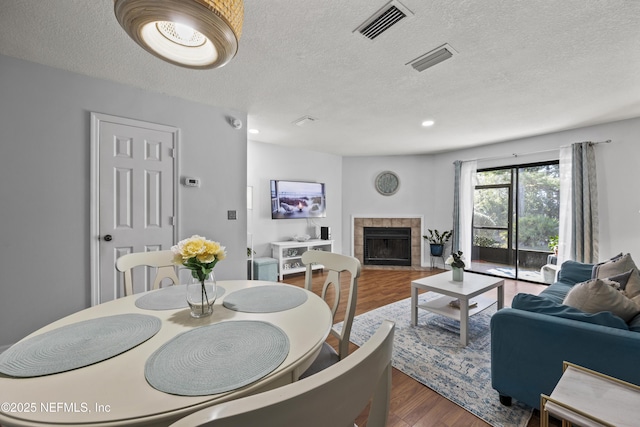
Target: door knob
(108, 238)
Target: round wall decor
(387, 183)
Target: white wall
(414, 195)
(618, 180)
(266, 162)
(45, 188)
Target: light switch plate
(231, 215)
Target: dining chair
(335, 264)
(333, 397)
(162, 260)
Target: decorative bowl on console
(301, 238)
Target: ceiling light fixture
(428, 123)
(200, 34)
(254, 131)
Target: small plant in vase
(200, 256)
(456, 261)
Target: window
(515, 218)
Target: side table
(589, 398)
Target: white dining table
(115, 391)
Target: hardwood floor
(412, 404)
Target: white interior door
(134, 174)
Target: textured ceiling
(521, 68)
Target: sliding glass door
(515, 220)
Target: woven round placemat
(169, 298)
(77, 345)
(265, 299)
(217, 358)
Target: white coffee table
(470, 289)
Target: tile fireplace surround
(359, 222)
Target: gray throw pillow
(594, 271)
(619, 266)
(597, 295)
(622, 279)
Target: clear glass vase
(201, 295)
(458, 274)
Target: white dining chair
(334, 397)
(162, 260)
(334, 264)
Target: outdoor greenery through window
(515, 219)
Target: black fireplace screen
(387, 246)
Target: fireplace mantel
(358, 222)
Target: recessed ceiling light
(254, 131)
(428, 123)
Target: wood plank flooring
(412, 404)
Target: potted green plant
(437, 240)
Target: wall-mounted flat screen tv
(297, 199)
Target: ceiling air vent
(304, 120)
(432, 58)
(392, 13)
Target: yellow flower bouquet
(199, 255)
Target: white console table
(289, 254)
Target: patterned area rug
(431, 353)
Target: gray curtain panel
(455, 245)
(584, 245)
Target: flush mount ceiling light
(200, 34)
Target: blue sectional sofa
(530, 341)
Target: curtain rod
(535, 152)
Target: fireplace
(387, 246)
(360, 222)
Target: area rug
(431, 353)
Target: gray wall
(431, 181)
(45, 185)
(266, 162)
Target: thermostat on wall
(192, 182)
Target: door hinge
(172, 220)
(172, 152)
